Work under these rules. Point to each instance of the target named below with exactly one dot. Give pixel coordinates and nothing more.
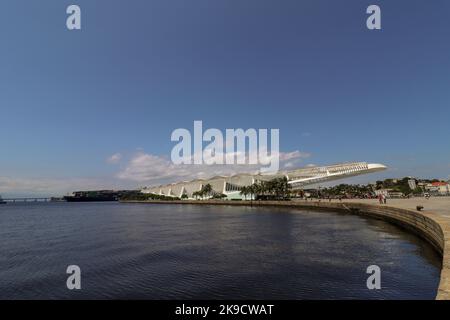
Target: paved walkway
(438, 205)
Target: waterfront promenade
(432, 223)
(438, 205)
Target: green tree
(244, 192)
(207, 190)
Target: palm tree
(257, 189)
(277, 187)
(270, 187)
(197, 194)
(263, 188)
(251, 191)
(244, 192)
(287, 187)
(207, 190)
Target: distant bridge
(27, 199)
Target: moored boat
(90, 198)
(97, 196)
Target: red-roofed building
(441, 188)
(439, 184)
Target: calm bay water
(132, 251)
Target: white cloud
(154, 169)
(294, 155)
(141, 169)
(115, 158)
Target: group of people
(382, 198)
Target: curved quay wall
(432, 227)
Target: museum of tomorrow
(299, 179)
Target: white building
(383, 192)
(441, 188)
(412, 184)
(300, 178)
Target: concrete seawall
(432, 227)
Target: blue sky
(137, 70)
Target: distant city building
(298, 179)
(441, 188)
(383, 192)
(396, 194)
(412, 184)
(422, 185)
(389, 193)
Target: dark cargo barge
(97, 196)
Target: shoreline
(432, 227)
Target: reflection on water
(206, 252)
